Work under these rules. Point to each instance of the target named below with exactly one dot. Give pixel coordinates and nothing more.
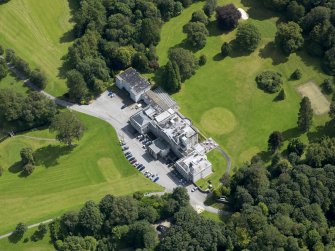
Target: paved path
(30, 226)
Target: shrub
(2, 51)
(202, 60)
(269, 81)
(281, 95)
(28, 169)
(296, 75)
(1, 170)
(226, 49)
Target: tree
(3, 68)
(199, 16)
(305, 115)
(327, 86)
(147, 212)
(77, 86)
(67, 127)
(227, 17)
(210, 7)
(295, 11)
(181, 196)
(27, 156)
(142, 235)
(2, 51)
(269, 81)
(22, 66)
(202, 60)
(90, 219)
(226, 49)
(38, 78)
(10, 56)
(275, 141)
(332, 110)
(328, 62)
(20, 229)
(289, 37)
(150, 33)
(124, 211)
(296, 146)
(248, 37)
(281, 95)
(11, 104)
(196, 34)
(38, 109)
(2, 170)
(28, 169)
(172, 80)
(185, 60)
(296, 75)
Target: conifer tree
(172, 77)
(305, 115)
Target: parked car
(194, 189)
(141, 169)
(126, 153)
(131, 158)
(140, 165)
(124, 106)
(156, 179)
(122, 143)
(133, 161)
(125, 148)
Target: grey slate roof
(135, 81)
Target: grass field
(64, 179)
(39, 32)
(222, 98)
(28, 245)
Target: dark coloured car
(124, 106)
(141, 169)
(125, 148)
(156, 179)
(131, 158)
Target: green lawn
(39, 32)
(26, 244)
(219, 167)
(222, 98)
(64, 179)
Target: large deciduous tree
(27, 156)
(77, 86)
(227, 17)
(305, 115)
(67, 127)
(248, 37)
(210, 7)
(38, 78)
(196, 34)
(3, 68)
(186, 61)
(90, 219)
(289, 37)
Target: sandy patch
(218, 120)
(244, 14)
(320, 103)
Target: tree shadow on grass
(48, 156)
(257, 10)
(310, 61)
(291, 133)
(265, 156)
(16, 167)
(271, 51)
(327, 130)
(214, 30)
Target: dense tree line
(30, 111)
(309, 25)
(113, 35)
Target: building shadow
(129, 131)
(48, 156)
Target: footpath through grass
(64, 179)
(40, 33)
(223, 93)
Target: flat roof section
(134, 80)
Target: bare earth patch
(320, 103)
(244, 14)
